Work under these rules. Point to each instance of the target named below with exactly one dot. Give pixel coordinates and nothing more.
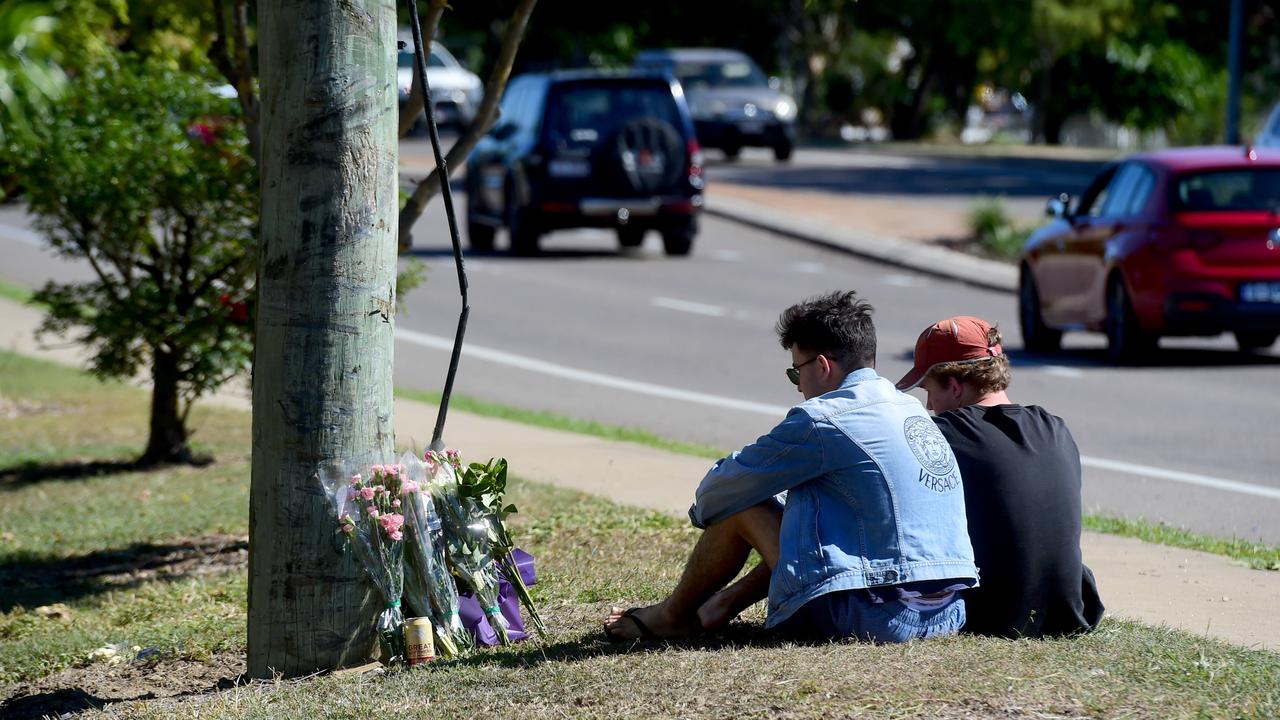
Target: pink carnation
(409, 486)
(395, 503)
(397, 535)
(367, 493)
(348, 529)
(391, 524)
(372, 512)
(377, 470)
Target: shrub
(147, 176)
(994, 231)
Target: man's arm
(789, 455)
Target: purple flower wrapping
(473, 617)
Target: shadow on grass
(96, 686)
(737, 635)
(58, 703)
(21, 475)
(35, 582)
(14, 477)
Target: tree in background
(30, 80)
(146, 176)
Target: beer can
(420, 646)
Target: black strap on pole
(420, 67)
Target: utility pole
(325, 319)
(1234, 51)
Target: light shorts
(856, 614)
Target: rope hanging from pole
(420, 68)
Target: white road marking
(811, 268)
(585, 376)
(1182, 477)
(1062, 371)
(902, 281)
(22, 235)
(726, 256)
(688, 306)
(777, 412)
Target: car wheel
(732, 152)
(479, 235)
(524, 236)
(1036, 336)
(1127, 342)
(522, 233)
(782, 151)
(630, 237)
(1255, 341)
(677, 241)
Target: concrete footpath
(1197, 592)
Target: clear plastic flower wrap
(429, 588)
(466, 535)
(368, 514)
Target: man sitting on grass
(870, 542)
(1021, 473)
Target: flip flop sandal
(646, 635)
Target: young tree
(145, 176)
(326, 316)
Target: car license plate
(569, 168)
(1260, 292)
(751, 127)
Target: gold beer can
(420, 646)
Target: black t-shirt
(1021, 473)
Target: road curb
(907, 254)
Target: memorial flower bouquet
(485, 485)
(370, 518)
(429, 589)
(466, 535)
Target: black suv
(587, 149)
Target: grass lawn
(156, 560)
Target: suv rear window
(727, 73)
(1226, 190)
(583, 114)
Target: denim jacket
(873, 495)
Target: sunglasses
(793, 372)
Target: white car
(455, 91)
(1270, 135)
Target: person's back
(1021, 471)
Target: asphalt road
(685, 348)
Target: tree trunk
(326, 293)
(168, 440)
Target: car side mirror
(1059, 207)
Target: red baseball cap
(957, 339)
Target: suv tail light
(695, 164)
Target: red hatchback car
(1177, 242)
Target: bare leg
(727, 604)
(715, 561)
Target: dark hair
(988, 375)
(837, 325)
